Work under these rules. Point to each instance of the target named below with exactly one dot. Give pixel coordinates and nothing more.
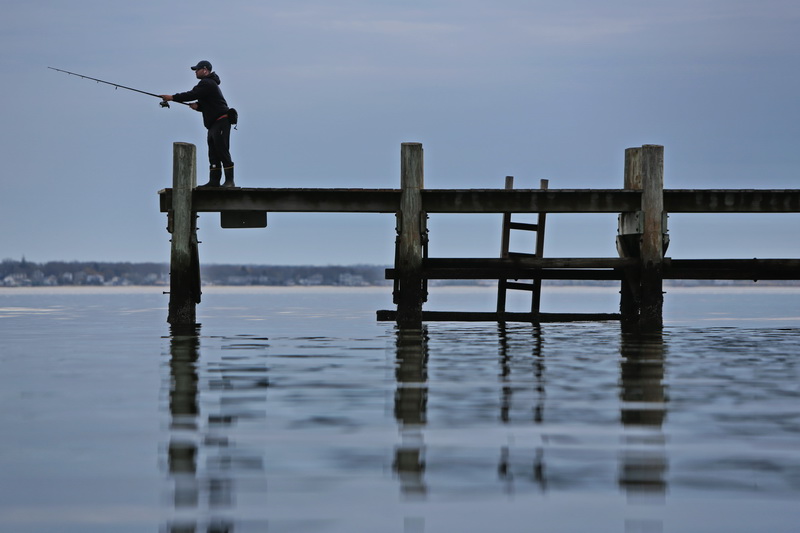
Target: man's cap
(202, 64)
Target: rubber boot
(229, 177)
(214, 177)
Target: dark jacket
(209, 99)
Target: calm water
(293, 410)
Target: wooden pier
(642, 206)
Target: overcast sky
(327, 91)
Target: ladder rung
(520, 286)
(523, 226)
(520, 254)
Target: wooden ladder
(503, 285)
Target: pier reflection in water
(387, 432)
(496, 411)
(339, 424)
(410, 405)
(572, 441)
(538, 367)
(206, 400)
(644, 462)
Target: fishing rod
(163, 103)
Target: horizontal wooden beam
(530, 200)
(732, 269)
(764, 264)
(300, 200)
(291, 200)
(433, 200)
(488, 200)
(535, 318)
(524, 274)
(588, 268)
(525, 268)
(732, 201)
(529, 262)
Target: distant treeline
(352, 276)
(53, 273)
(26, 273)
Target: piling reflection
(537, 362)
(410, 408)
(643, 461)
(202, 459)
(564, 419)
(183, 408)
(537, 365)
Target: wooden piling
(184, 280)
(410, 292)
(652, 249)
(641, 235)
(628, 242)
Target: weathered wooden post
(410, 292)
(641, 235)
(628, 242)
(184, 279)
(652, 248)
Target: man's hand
(194, 105)
(165, 97)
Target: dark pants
(219, 144)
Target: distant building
(315, 279)
(16, 280)
(352, 280)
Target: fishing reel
(163, 103)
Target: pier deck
(642, 206)
(304, 200)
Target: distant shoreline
(277, 289)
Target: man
(208, 100)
